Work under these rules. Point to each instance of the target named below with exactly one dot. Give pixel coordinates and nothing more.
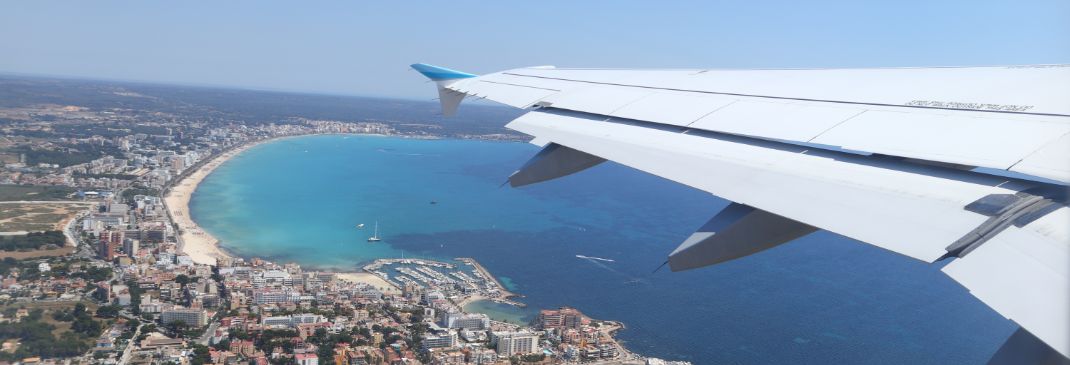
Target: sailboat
(375, 237)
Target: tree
(100, 295)
(108, 311)
(182, 280)
(94, 274)
(135, 296)
(128, 194)
(200, 355)
(176, 327)
(532, 357)
(32, 240)
(86, 325)
(62, 315)
(222, 345)
(240, 334)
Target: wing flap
(776, 119)
(673, 107)
(917, 211)
(952, 117)
(596, 99)
(1022, 274)
(966, 116)
(778, 140)
(957, 138)
(1035, 89)
(1049, 161)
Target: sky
(365, 47)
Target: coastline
(194, 241)
(203, 248)
(198, 244)
(505, 296)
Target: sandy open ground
(22, 217)
(370, 279)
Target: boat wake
(594, 258)
(600, 262)
(391, 151)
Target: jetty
(461, 284)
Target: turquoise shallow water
(299, 199)
(820, 299)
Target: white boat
(360, 226)
(375, 236)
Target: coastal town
(103, 264)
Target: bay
(820, 299)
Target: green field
(34, 192)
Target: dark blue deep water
(819, 300)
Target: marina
(462, 282)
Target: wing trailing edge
(736, 231)
(552, 162)
(896, 158)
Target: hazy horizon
(77, 78)
(364, 49)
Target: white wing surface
(969, 164)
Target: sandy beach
(201, 246)
(370, 279)
(468, 299)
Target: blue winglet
(436, 73)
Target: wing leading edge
(892, 157)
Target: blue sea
(819, 300)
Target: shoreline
(202, 247)
(506, 296)
(194, 241)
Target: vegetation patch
(75, 154)
(33, 241)
(35, 192)
(57, 330)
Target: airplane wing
(969, 164)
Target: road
(129, 346)
(203, 340)
(72, 238)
